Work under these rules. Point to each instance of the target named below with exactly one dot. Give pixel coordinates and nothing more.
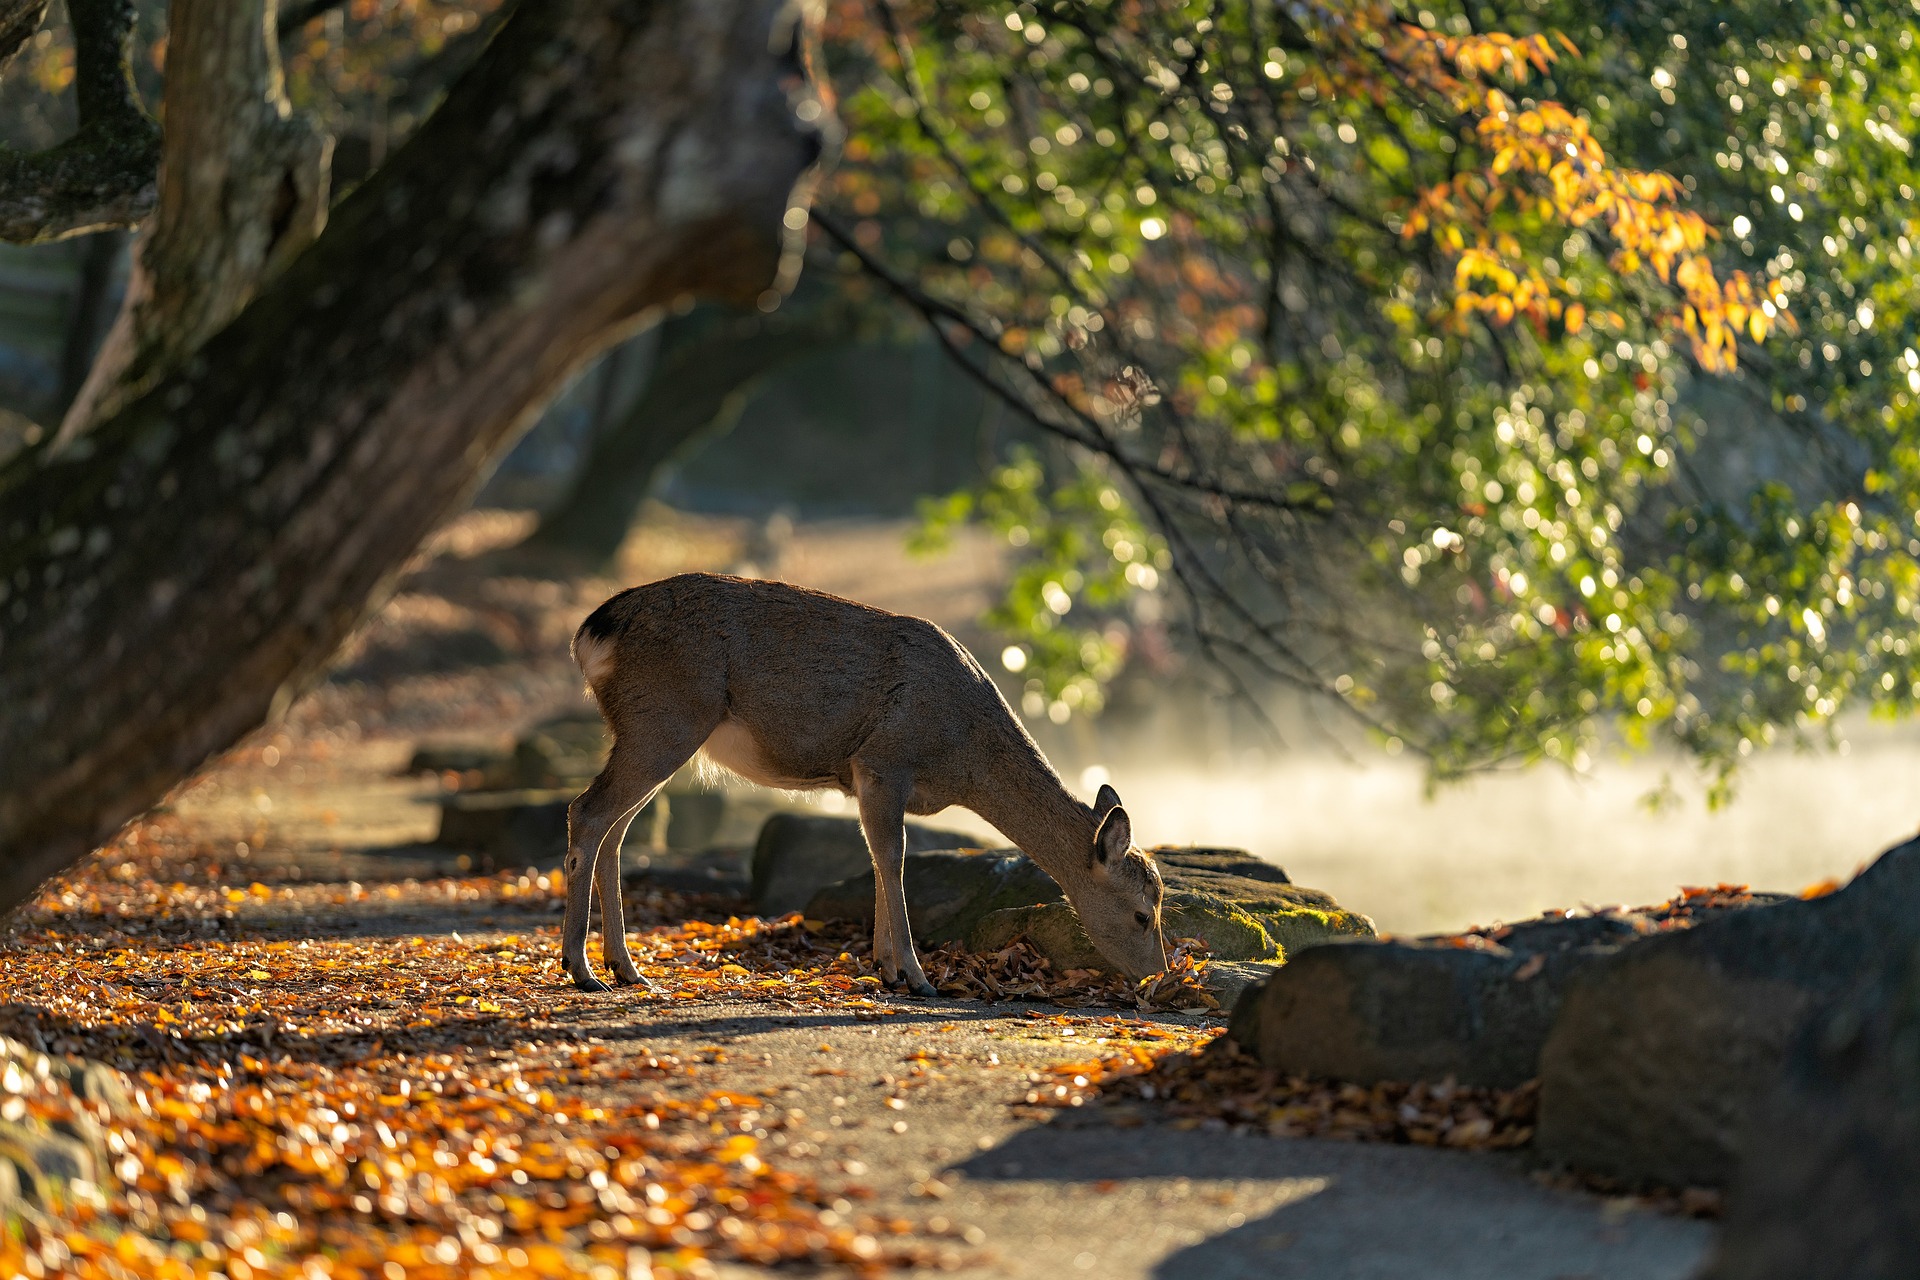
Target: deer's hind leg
(883, 817)
(647, 750)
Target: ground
(356, 1060)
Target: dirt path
(914, 1112)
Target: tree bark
(103, 176)
(178, 573)
(706, 372)
(243, 189)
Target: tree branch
(19, 19)
(103, 176)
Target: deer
(798, 690)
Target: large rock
(1662, 1052)
(948, 892)
(720, 870)
(1425, 1010)
(1051, 927)
(1240, 907)
(1829, 1186)
(1246, 909)
(566, 751)
(518, 828)
(459, 757)
(799, 854)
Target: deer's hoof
(922, 988)
(629, 976)
(587, 982)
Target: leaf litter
(320, 1103)
(339, 1101)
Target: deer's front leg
(883, 816)
(613, 923)
(587, 822)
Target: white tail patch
(595, 654)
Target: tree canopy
(1497, 374)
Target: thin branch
(1093, 438)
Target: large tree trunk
(179, 571)
(706, 371)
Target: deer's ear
(1114, 838)
(1106, 798)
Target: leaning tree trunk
(706, 371)
(180, 570)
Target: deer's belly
(734, 749)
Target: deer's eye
(1142, 919)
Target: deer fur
(800, 690)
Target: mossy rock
(1215, 894)
(1228, 932)
(1051, 927)
(798, 854)
(1241, 907)
(948, 892)
(1055, 932)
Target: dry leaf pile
(1218, 1083)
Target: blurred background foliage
(1508, 376)
(1483, 477)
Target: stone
(458, 757)
(719, 870)
(566, 751)
(1228, 980)
(948, 892)
(502, 829)
(1236, 904)
(1246, 909)
(527, 827)
(691, 815)
(1828, 1187)
(1662, 1052)
(1405, 1010)
(1050, 927)
(43, 1161)
(799, 854)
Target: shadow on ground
(1421, 1214)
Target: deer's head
(1118, 899)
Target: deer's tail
(596, 643)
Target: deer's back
(810, 679)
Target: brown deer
(800, 690)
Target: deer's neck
(1026, 802)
